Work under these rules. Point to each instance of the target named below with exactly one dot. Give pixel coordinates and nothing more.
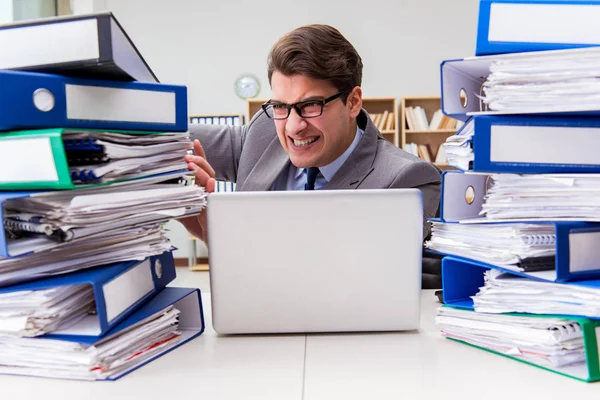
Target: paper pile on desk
(101, 157)
(574, 197)
(52, 219)
(550, 342)
(506, 245)
(36, 312)
(135, 243)
(503, 293)
(77, 360)
(553, 83)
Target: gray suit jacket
(252, 156)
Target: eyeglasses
(305, 108)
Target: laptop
(315, 261)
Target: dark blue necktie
(311, 176)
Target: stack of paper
(125, 244)
(459, 150)
(108, 356)
(78, 216)
(107, 156)
(549, 342)
(543, 197)
(85, 189)
(36, 312)
(505, 245)
(136, 143)
(555, 82)
(41, 221)
(503, 293)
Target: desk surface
(350, 366)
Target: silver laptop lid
(315, 261)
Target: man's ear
(354, 101)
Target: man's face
(318, 141)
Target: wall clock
(247, 86)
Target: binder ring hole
(470, 195)
(463, 98)
(158, 270)
(43, 100)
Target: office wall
(19, 10)
(207, 44)
(32, 9)
(6, 11)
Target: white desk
(346, 366)
(424, 365)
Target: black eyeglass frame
(296, 106)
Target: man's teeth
(304, 142)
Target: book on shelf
(424, 151)
(384, 121)
(440, 157)
(416, 119)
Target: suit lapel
(267, 168)
(360, 163)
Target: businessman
(313, 134)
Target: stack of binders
(91, 167)
(519, 224)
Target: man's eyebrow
(313, 98)
(310, 98)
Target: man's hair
(318, 52)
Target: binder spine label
(98, 103)
(27, 160)
(521, 144)
(48, 44)
(584, 251)
(522, 23)
(127, 289)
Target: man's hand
(205, 176)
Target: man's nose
(295, 123)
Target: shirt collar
(329, 170)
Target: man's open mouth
(304, 142)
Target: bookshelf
(384, 106)
(430, 138)
(253, 106)
(373, 105)
(216, 119)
